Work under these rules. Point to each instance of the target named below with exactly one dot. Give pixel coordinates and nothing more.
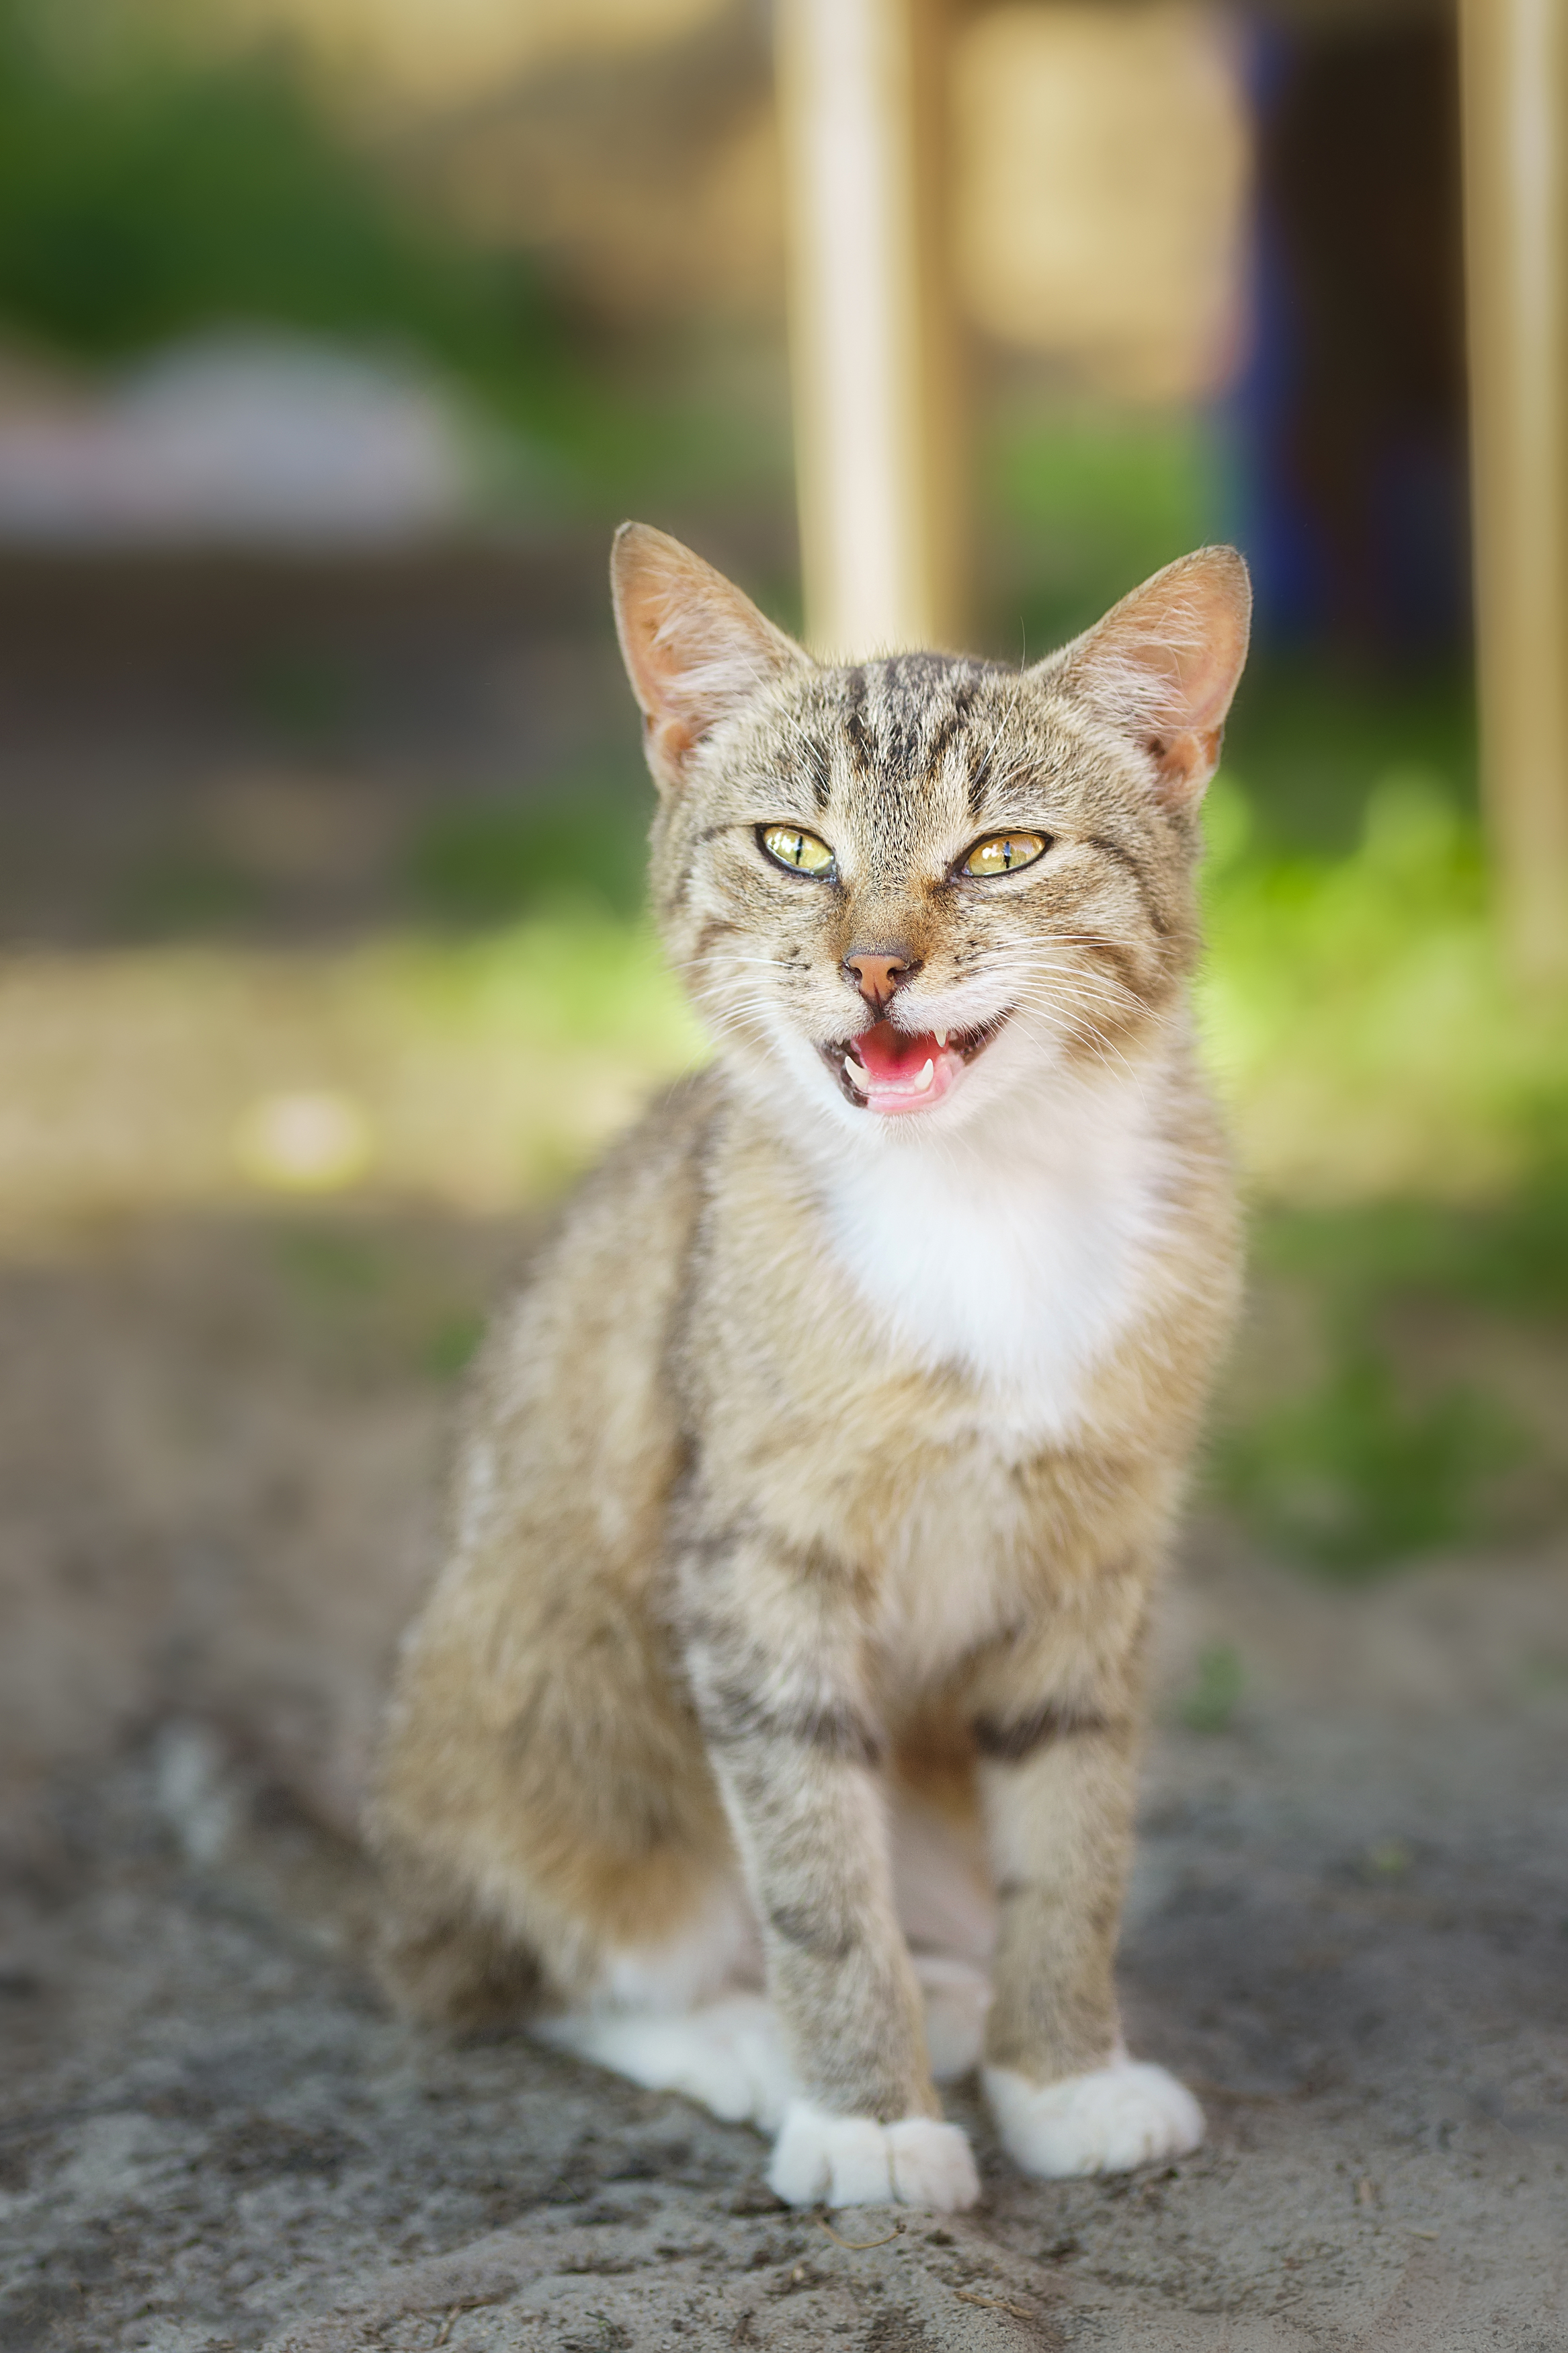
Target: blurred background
(336, 335)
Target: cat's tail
(439, 1960)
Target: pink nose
(877, 976)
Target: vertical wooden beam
(874, 342)
(1515, 67)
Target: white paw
(1125, 2115)
(957, 1997)
(854, 2161)
(728, 2056)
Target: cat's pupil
(1001, 853)
(789, 846)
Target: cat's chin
(896, 1073)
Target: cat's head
(901, 892)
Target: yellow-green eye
(801, 851)
(1004, 853)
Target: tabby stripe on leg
(1010, 1741)
(731, 1714)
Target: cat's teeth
(926, 1076)
(859, 1079)
(940, 1037)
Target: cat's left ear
(1163, 665)
(695, 648)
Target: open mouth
(889, 1069)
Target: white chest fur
(1020, 1256)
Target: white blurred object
(314, 1141)
(240, 437)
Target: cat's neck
(1017, 1246)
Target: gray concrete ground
(1349, 1928)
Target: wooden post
(874, 344)
(1515, 67)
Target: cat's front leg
(796, 1750)
(1058, 1783)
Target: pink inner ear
(1164, 662)
(694, 647)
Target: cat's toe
(932, 2167)
(1126, 2115)
(820, 2158)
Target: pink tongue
(892, 1056)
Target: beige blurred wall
(423, 53)
(1102, 165)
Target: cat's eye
(802, 853)
(1004, 853)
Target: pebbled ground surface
(1349, 1929)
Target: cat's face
(902, 891)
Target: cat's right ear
(1164, 664)
(694, 647)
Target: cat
(771, 1732)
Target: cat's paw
(854, 2161)
(1126, 2115)
(729, 2056)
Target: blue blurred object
(1345, 433)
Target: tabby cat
(771, 1734)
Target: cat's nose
(877, 976)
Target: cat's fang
(860, 1080)
(926, 1076)
(940, 1037)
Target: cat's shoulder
(616, 1246)
(657, 1163)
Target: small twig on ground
(996, 2302)
(464, 2304)
(858, 2246)
(1417, 2233)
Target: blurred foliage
(1086, 505)
(146, 192)
(184, 890)
(1508, 1256)
(327, 1263)
(302, 696)
(1359, 1013)
(1363, 1473)
(371, 1304)
(1216, 1690)
(1360, 1018)
(1315, 741)
(493, 862)
(452, 1345)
